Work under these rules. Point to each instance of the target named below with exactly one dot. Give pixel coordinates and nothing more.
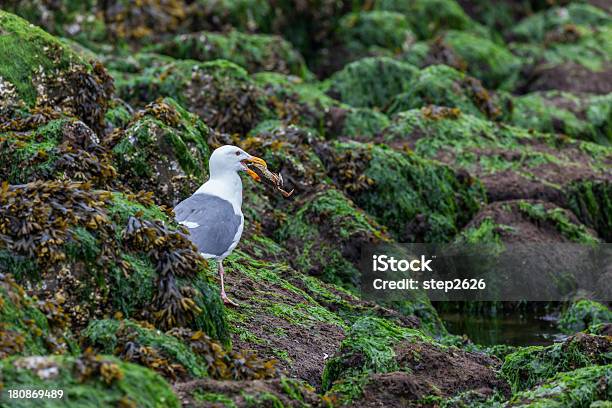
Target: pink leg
(226, 300)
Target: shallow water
(516, 329)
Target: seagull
(213, 214)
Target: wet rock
(220, 92)
(162, 149)
(253, 52)
(440, 202)
(371, 82)
(46, 73)
(382, 364)
(88, 380)
(533, 365)
(526, 221)
(103, 253)
(582, 314)
(444, 86)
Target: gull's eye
(237, 153)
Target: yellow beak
(257, 160)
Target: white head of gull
(213, 214)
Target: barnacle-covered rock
(29, 326)
(444, 86)
(104, 252)
(176, 354)
(371, 82)
(589, 386)
(44, 72)
(582, 314)
(86, 381)
(45, 145)
(379, 362)
(220, 92)
(419, 200)
(580, 116)
(513, 163)
(253, 52)
(162, 149)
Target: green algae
(413, 186)
(371, 82)
(492, 63)
(325, 256)
(582, 314)
(591, 201)
(530, 366)
(579, 388)
(254, 52)
(131, 383)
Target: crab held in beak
(256, 161)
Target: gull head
(233, 159)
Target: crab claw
(257, 160)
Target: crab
(257, 171)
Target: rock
(533, 365)
(583, 117)
(371, 82)
(589, 385)
(444, 86)
(560, 169)
(376, 176)
(220, 92)
(179, 353)
(162, 149)
(582, 314)
(382, 364)
(518, 221)
(253, 52)
(46, 73)
(109, 253)
(88, 381)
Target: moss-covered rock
(589, 386)
(535, 27)
(444, 86)
(253, 52)
(526, 221)
(47, 145)
(586, 118)
(582, 314)
(86, 381)
(533, 365)
(108, 253)
(176, 354)
(379, 362)
(492, 63)
(219, 91)
(29, 326)
(329, 231)
(512, 162)
(371, 82)
(417, 199)
(429, 17)
(44, 72)
(163, 149)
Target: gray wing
(211, 221)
